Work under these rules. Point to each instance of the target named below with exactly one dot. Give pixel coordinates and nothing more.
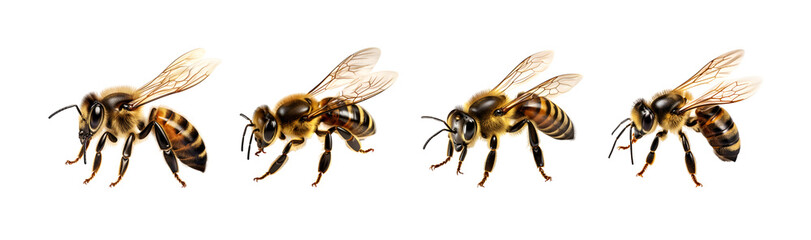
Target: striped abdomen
(352, 118)
(548, 117)
(716, 125)
(186, 143)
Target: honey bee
(674, 109)
(490, 114)
(117, 113)
(298, 116)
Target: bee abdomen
(717, 126)
(353, 118)
(186, 142)
(548, 117)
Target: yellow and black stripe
(186, 143)
(353, 118)
(548, 117)
(717, 126)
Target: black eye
(270, 130)
(647, 120)
(470, 129)
(96, 112)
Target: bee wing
(726, 92)
(185, 72)
(525, 70)
(358, 64)
(717, 68)
(363, 88)
(549, 88)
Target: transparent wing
(549, 88)
(717, 68)
(363, 88)
(185, 72)
(726, 92)
(525, 70)
(358, 64)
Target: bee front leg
(450, 154)
(82, 151)
(652, 154)
(491, 160)
(688, 158)
(125, 158)
(99, 147)
(462, 155)
(281, 160)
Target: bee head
(643, 119)
(265, 128)
(463, 128)
(89, 120)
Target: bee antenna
(432, 137)
(250, 141)
(443, 122)
(246, 118)
(631, 143)
(242, 143)
(62, 109)
(616, 139)
(618, 125)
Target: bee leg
(125, 158)
(537, 153)
(652, 154)
(462, 155)
(281, 160)
(82, 150)
(351, 140)
(326, 157)
(450, 154)
(688, 158)
(692, 122)
(99, 147)
(165, 145)
(491, 160)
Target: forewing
(717, 68)
(726, 92)
(363, 88)
(356, 65)
(185, 72)
(554, 86)
(525, 70)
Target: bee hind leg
(537, 153)
(350, 138)
(165, 145)
(97, 159)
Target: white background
(53, 53)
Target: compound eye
(96, 114)
(647, 120)
(269, 131)
(470, 128)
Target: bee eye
(269, 132)
(647, 120)
(96, 112)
